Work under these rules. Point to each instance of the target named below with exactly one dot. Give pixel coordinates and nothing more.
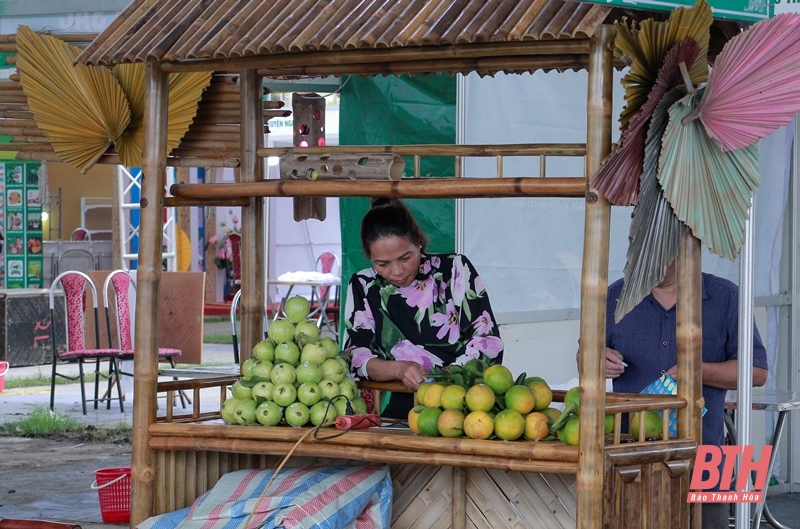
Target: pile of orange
(498, 406)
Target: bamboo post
(594, 285)
(154, 168)
(459, 508)
(252, 170)
(689, 342)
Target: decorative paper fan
(81, 109)
(755, 84)
(85, 109)
(185, 92)
(618, 177)
(645, 48)
(129, 145)
(656, 231)
(710, 190)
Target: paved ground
(66, 469)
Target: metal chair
(121, 282)
(74, 285)
(325, 308)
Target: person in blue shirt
(645, 340)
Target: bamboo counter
(438, 482)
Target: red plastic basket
(113, 485)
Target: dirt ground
(50, 479)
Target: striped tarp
(358, 497)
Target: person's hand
(614, 365)
(672, 371)
(409, 373)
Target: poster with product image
(21, 221)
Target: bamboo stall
(459, 483)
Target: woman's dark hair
(388, 217)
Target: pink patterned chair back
(74, 284)
(120, 282)
(325, 264)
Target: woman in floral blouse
(413, 310)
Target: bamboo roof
(341, 33)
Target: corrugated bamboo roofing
(331, 36)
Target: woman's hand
(410, 374)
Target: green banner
(398, 111)
(743, 10)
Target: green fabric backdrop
(398, 111)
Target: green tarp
(399, 111)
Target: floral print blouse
(443, 317)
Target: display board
(743, 10)
(21, 226)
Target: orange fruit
(478, 425)
(451, 423)
(652, 425)
(537, 426)
(552, 414)
(569, 433)
(421, 391)
(427, 422)
(520, 398)
(509, 425)
(479, 397)
(433, 396)
(499, 378)
(542, 393)
(413, 415)
(453, 397)
(573, 397)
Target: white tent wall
(295, 246)
(529, 255)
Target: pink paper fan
(753, 88)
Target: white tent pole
(461, 139)
(793, 282)
(745, 383)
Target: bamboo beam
(143, 458)
(13, 106)
(524, 63)
(253, 251)
(380, 455)
(594, 285)
(218, 161)
(185, 202)
(689, 342)
(511, 149)
(391, 439)
(205, 141)
(406, 188)
(421, 53)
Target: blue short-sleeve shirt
(646, 339)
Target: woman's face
(396, 259)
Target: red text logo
(710, 458)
